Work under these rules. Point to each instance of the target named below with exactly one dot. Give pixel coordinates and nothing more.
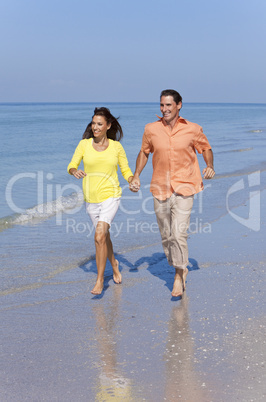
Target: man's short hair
(171, 92)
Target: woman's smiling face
(99, 126)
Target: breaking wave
(43, 211)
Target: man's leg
(181, 208)
(163, 216)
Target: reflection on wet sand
(182, 379)
(112, 383)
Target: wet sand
(135, 342)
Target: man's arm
(208, 172)
(141, 161)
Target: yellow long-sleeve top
(101, 181)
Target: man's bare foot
(117, 277)
(185, 272)
(98, 288)
(178, 284)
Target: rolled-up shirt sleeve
(201, 142)
(146, 145)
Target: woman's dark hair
(171, 92)
(115, 132)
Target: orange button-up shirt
(175, 163)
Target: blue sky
(128, 51)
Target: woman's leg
(101, 233)
(115, 264)
(104, 250)
(100, 214)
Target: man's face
(169, 109)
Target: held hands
(134, 184)
(208, 172)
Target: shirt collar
(179, 120)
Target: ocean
(43, 225)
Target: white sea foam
(44, 211)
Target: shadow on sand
(156, 264)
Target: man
(176, 178)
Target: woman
(101, 152)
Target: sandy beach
(135, 342)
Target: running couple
(173, 141)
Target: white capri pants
(103, 211)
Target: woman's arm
(79, 174)
(123, 163)
(75, 161)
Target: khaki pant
(173, 217)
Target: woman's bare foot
(98, 288)
(178, 284)
(117, 277)
(185, 272)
